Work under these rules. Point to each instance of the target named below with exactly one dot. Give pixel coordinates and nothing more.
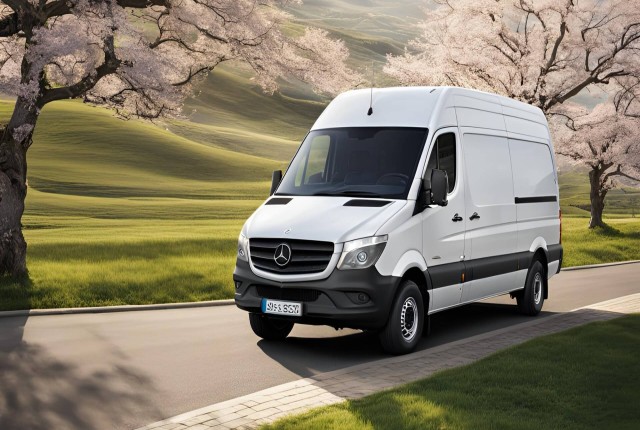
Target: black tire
(531, 299)
(403, 331)
(270, 328)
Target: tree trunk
(597, 195)
(14, 142)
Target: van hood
(321, 218)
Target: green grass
(619, 241)
(80, 150)
(584, 378)
(98, 262)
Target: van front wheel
(406, 320)
(531, 299)
(270, 328)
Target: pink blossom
(145, 59)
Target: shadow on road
(38, 391)
(309, 356)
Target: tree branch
(574, 91)
(11, 25)
(109, 66)
(192, 74)
(142, 4)
(619, 172)
(556, 45)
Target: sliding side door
(491, 235)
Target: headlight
(243, 248)
(362, 253)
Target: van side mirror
(435, 187)
(275, 181)
(439, 187)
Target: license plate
(281, 308)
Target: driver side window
(313, 169)
(443, 157)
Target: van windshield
(355, 162)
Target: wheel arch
(540, 254)
(417, 276)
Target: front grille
(306, 256)
(292, 294)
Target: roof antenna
(373, 79)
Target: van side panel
(533, 174)
(491, 235)
(536, 194)
(479, 118)
(405, 239)
(522, 126)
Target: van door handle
(474, 216)
(456, 218)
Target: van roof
(424, 107)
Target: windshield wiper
(347, 193)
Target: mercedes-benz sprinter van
(403, 202)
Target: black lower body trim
(555, 253)
(451, 274)
(499, 265)
(445, 275)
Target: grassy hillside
(85, 151)
(230, 112)
(574, 196)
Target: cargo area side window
(533, 173)
(443, 157)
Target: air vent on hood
(278, 201)
(367, 203)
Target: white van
(403, 202)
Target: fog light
(362, 256)
(238, 284)
(358, 297)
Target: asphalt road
(124, 370)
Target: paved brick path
(332, 387)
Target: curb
(595, 266)
(208, 303)
(121, 308)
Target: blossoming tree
(542, 52)
(606, 141)
(141, 58)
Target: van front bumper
(359, 299)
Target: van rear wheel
(270, 328)
(406, 320)
(531, 299)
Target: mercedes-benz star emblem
(282, 256)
